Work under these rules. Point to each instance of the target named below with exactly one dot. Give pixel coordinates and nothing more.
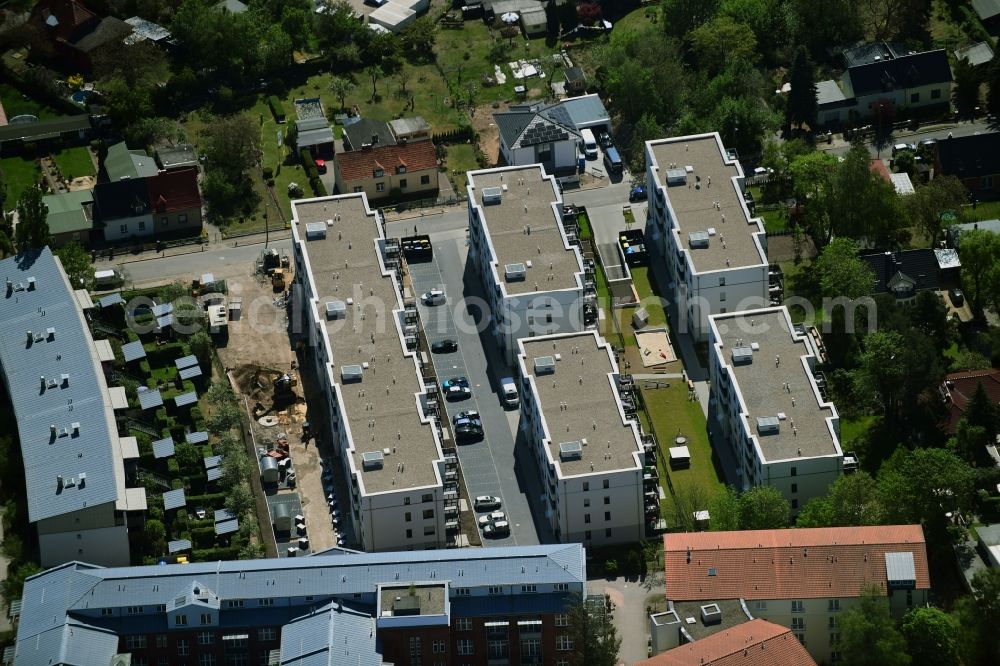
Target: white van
(589, 144)
(108, 279)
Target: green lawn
(75, 162)
(852, 429)
(984, 210)
(775, 221)
(15, 104)
(19, 174)
(461, 158)
(671, 412)
(649, 296)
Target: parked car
(899, 147)
(498, 529)
(321, 166)
(467, 414)
(475, 423)
(928, 142)
(605, 140)
(468, 433)
(455, 381)
(433, 297)
(956, 296)
(492, 517)
(486, 502)
(456, 393)
(638, 193)
(446, 346)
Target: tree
(156, 536)
(76, 262)
(810, 24)
(868, 634)
(720, 41)
(404, 76)
(763, 508)
(905, 161)
(188, 456)
(232, 144)
(993, 91)
(593, 636)
(802, 107)
(32, 229)
(919, 486)
(645, 130)
(969, 443)
(680, 17)
(239, 498)
(812, 178)
(928, 204)
(841, 272)
(965, 92)
(982, 412)
(852, 500)
(6, 245)
(418, 39)
(864, 206)
(979, 253)
(375, 73)
(724, 511)
(338, 25)
(882, 368)
(686, 501)
(979, 615)
(743, 122)
(341, 88)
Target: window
(206, 638)
(180, 620)
(206, 618)
(586, 517)
(409, 534)
(428, 514)
(427, 497)
(406, 501)
(142, 226)
(206, 659)
(163, 660)
(607, 484)
(234, 603)
(401, 169)
(831, 622)
(722, 296)
(914, 98)
(123, 228)
(562, 619)
(408, 516)
(561, 587)
(798, 624)
(528, 588)
(835, 657)
(415, 647)
(358, 188)
(135, 642)
(936, 93)
(462, 592)
(802, 639)
(722, 310)
(760, 605)
(463, 624)
(265, 602)
(562, 662)
(564, 643)
(797, 606)
(795, 487)
(794, 471)
(380, 187)
(182, 647)
(428, 530)
(238, 659)
(161, 641)
(586, 486)
(607, 532)
(402, 183)
(107, 611)
(909, 598)
(182, 218)
(425, 180)
(586, 502)
(267, 634)
(497, 649)
(379, 173)
(833, 605)
(439, 647)
(465, 647)
(986, 183)
(495, 589)
(587, 536)
(607, 499)
(795, 504)
(834, 638)
(134, 610)
(531, 647)
(607, 516)
(722, 282)
(139, 661)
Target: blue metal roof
(227, 527)
(162, 309)
(185, 399)
(163, 448)
(212, 461)
(82, 398)
(190, 373)
(214, 474)
(150, 398)
(199, 437)
(186, 362)
(166, 321)
(224, 514)
(133, 351)
(110, 299)
(331, 636)
(178, 546)
(174, 499)
(586, 111)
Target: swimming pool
(80, 96)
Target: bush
(277, 108)
(268, 173)
(173, 467)
(308, 163)
(215, 554)
(317, 187)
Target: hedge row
(277, 108)
(318, 188)
(215, 554)
(309, 164)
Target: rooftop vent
(742, 355)
(698, 239)
(372, 460)
(514, 272)
(336, 309)
(315, 231)
(350, 373)
(545, 365)
(711, 614)
(767, 425)
(571, 451)
(492, 195)
(676, 177)
(31, 284)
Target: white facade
(595, 498)
(563, 154)
(129, 227)
(549, 296)
(730, 273)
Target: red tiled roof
(175, 190)
(753, 643)
(70, 14)
(878, 167)
(963, 387)
(787, 564)
(361, 164)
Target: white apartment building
(74, 458)
(354, 329)
(590, 455)
(714, 255)
(532, 276)
(766, 407)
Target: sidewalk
(214, 243)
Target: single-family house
(70, 217)
(61, 131)
(365, 132)
(988, 12)
(404, 170)
(548, 134)
(973, 159)
(122, 209)
(176, 202)
(883, 73)
(123, 164)
(75, 33)
(905, 273)
(576, 81)
(959, 387)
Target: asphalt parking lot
(490, 466)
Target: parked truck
(508, 392)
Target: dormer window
(401, 169)
(379, 173)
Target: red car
(321, 166)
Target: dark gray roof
(189, 398)
(970, 156)
(521, 129)
(511, 124)
(178, 546)
(163, 448)
(190, 373)
(920, 266)
(61, 346)
(173, 157)
(43, 129)
(121, 199)
(907, 71)
(186, 361)
(199, 437)
(174, 499)
(575, 74)
(150, 399)
(132, 351)
(361, 132)
(110, 29)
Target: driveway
(488, 467)
(630, 597)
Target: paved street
(488, 467)
(939, 132)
